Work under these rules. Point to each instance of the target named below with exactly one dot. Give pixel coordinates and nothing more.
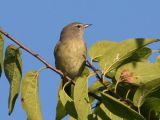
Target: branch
(35, 55)
(96, 72)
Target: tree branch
(35, 55)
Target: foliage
(29, 96)
(13, 72)
(127, 85)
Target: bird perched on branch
(70, 50)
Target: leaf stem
(128, 93)
(154, 51)
(42, 68)
(115, 90)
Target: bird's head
(74, 30)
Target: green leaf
(145, 91)
(60, 110)
(138, 72)
(67, 102)
(119, 108)
(81, 100)
(29, 96)
(1, 51)
(151, 108)
(13, 72)
(100, 48)
(102, 113)
(141, 54)
(125, 49)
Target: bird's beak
(87, 25)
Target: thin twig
(96, 72)
(35, 55)
(154, 51)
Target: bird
(70, 50)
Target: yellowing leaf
(13, 72)
(100, 48)
(81, 99)
(1, 51)
(138, 72)
(29, 96)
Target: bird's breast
(69, 56)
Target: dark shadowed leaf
(119, 108)
(81, 100)
(13, 72)
(141, 54)
(29, 96)
(1, 51)
(67, 102)
(97, 88)
(151, 108)
(102, 113)
(60, 110)
(149, 89)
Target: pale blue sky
(37, 24)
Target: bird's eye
(78, 26)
